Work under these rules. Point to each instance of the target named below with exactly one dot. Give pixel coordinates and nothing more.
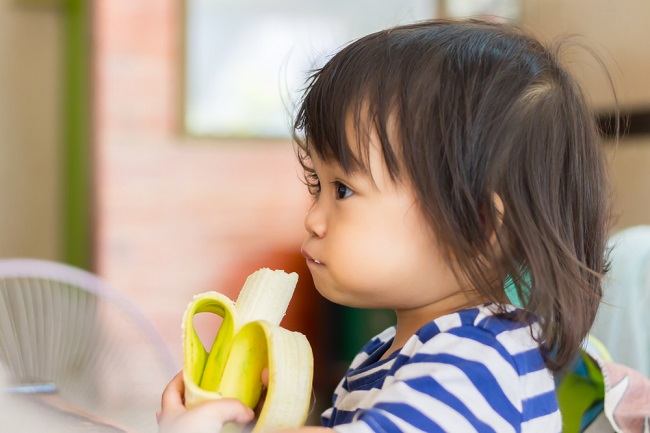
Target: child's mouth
(309, 258)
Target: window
(247, 60)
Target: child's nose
(315, 221)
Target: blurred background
(147, 141)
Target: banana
(249, 340)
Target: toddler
(444, 159)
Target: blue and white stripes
(463, 372)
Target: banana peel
(248, 341)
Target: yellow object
(249, 340)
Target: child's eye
(342, 191)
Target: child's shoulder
(478, 330)
(482, 335)
(476, 362)
(503, 324)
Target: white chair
(622, 321)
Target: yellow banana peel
(248, 341)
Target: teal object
(512, 294)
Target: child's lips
(310, 259)
(314, 263)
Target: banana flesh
(249, 340)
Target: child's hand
(206, 417)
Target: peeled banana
(248, 341)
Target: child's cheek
(364, 275)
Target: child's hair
(466, 111)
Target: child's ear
(499, 208)
(498, 205)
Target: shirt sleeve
(461, 380)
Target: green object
(357, 326)
(77, 169)
(581, 394)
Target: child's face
(373, 242)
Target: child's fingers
(225, 410)
(207, 416)
(172, 396)
(265, 377)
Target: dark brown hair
(479, 109)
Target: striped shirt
(463, 372)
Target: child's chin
(330, 293)
(341, 299)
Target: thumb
(209, 417)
